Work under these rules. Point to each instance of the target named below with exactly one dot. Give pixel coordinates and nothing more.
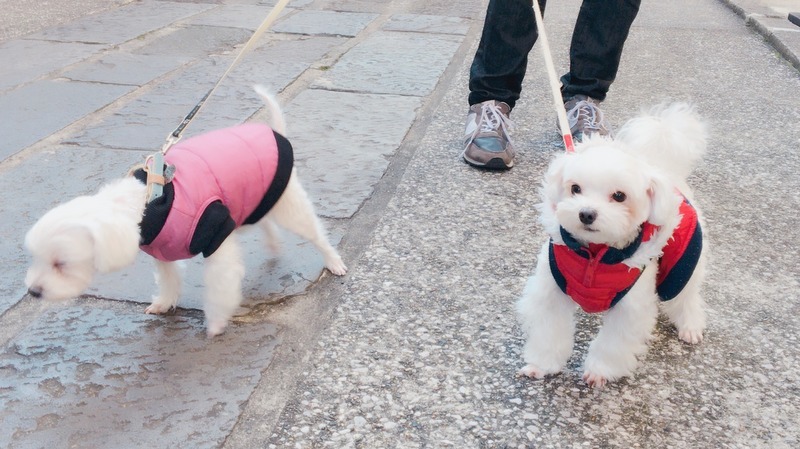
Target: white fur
(651, 158)
(100, 233)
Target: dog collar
(158, 174)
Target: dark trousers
(509, 33)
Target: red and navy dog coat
(595, 277)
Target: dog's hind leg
(168, 279)
(294, 212)
(270, 235)
(687, 310)
(224, 271)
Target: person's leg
(498, 68)
(495, 82)
(600, 33)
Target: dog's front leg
(547, 317)
(224, 271)
(169, 288)
(626, 330)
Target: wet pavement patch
(86, 377)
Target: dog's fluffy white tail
(277, 120)
(670, 136)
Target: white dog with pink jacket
(213, 184)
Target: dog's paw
(594, 380)
(273, 247)
(691, 336)
(602, 368)
(531, 371)
(216, 327)
(336, 266)
(158, 309)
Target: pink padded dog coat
(223, 179)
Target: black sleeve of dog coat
(214, 226)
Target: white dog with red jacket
(217, 182)
(625, 238)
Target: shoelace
(493, 118)
(593, 116)
(490, 120)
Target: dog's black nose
(35, 292)
(587, 216)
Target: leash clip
(172, 139)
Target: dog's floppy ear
(115, 244)
(553, 183)
(115, 227)
(664, 200)
(126, 195)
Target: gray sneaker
(585, 118)
(486, 140)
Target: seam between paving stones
(104, 49)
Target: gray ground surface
(418, 345)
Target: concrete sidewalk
(417, 346)
(769, 18)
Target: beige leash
(154, 164)
(558, 102)
(175, 136)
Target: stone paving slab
(196, 42)
(236, 16)
(145, 122)
(330, 23)
(392, 63)
(33, 186)
(122, 24)
(92, 375)
(376, 6)
(421, 23)
(293, 3)
(26, 60)
(468, 9)
(125, 68)
(43, 108)
(358, 140)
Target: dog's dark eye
(575, 189)
(618, 197)
(58, 265)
